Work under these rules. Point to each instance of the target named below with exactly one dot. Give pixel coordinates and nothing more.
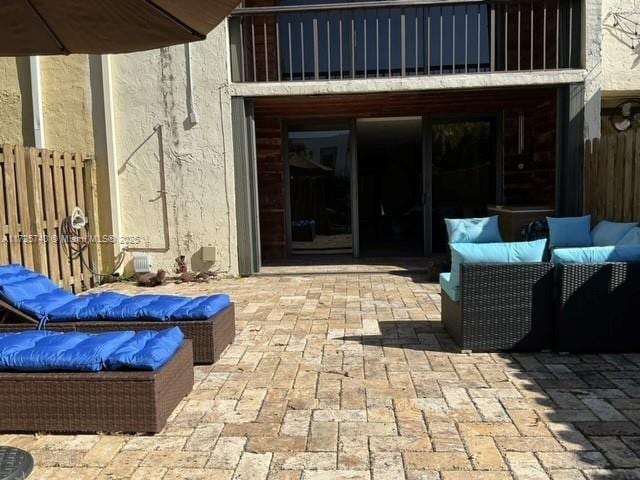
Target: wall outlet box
(209, 254)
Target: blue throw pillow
(568, 232)
(610, 233)
(623, 253)
(473, 230)
(631, 238)
(516, 252)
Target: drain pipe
(36, 101)
(193, 115)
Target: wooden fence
(40, 189)
(612, 177)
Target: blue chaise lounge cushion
(620, 253)
(38, 296)
(41, 351)
(473, 230)
(146, 350)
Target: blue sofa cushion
(632, 237)
(452, 290)
(515, 252)
(620, 253)
(38, 296)
(568, 232)
(610, 233)
(473, 230)
(41, 351)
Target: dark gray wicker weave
(95, 402)
(210, 337)
(598, 308)
(502, 307)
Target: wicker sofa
(598, 308)
(502, 307)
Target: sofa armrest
(507, 306)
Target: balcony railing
(398, 38)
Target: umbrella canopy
(51, 27)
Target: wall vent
(141, 263)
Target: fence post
(12, 204)
(23, 205)
(4, 246)
(34, 202)
(91, 202)
(627, 201)
(588, 177)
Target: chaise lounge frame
(85, 402)
(502, 307)
(210, 337)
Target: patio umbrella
(51, 27)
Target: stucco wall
(592, 15)
(621, 63)
(176, 179)
(15, 101)
(66, 103)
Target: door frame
(314, 125)
(427, 183)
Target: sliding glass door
(464, 172)
(383, 186)
(319, 164)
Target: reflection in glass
(320, 191)
(464, 173)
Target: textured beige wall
(66, 103)
(621, 63)
(155, 143)
(15, 101)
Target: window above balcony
(297, 40)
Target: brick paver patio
(350, 376)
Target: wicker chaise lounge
(598, 308)
(90, 402)
(210, 335)
(501, 307)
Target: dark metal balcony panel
(398, 38)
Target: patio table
(15, 464)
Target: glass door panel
(320, 164)
(464, 172)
